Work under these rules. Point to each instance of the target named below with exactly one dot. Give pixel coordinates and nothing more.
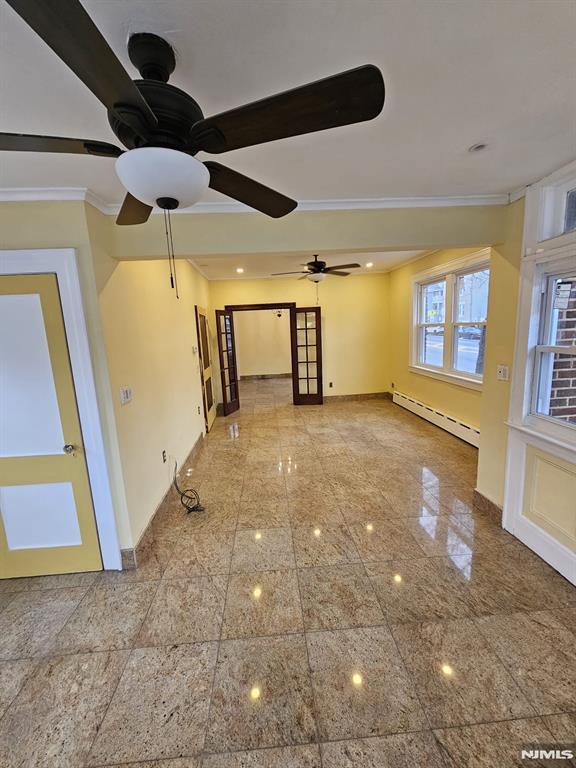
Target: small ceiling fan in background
(317, 270)
(162, 127)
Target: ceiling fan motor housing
(175, 110)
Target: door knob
(68, 448)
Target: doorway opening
(295, 350)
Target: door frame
(62, 263)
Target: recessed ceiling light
(478, 147)
(369, 264)
(240, 270)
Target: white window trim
(450, 270)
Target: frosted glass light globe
(149, 173)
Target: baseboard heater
(463, 431)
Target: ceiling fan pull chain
(175, 285)
(168, 248)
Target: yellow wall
(502, 308)
(353, 323)
(150, 337)
(457, 401)
(262, 343)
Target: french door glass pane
(302, 370)
(469, 344)
(432, 347)
(312, 387)
(300, 319)
(557, 387)
(311, 337)
(301, 338)
(312, 354)
(303, 386)
(472, 297)
(310, 320)
(433, 306)
(301, 354)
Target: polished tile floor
(339, 604)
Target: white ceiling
(499, 71)
(262, 265)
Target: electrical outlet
(502, 373)
(330, 384)
(125, 395)
(164, 457)
(198, 410)
(392, 385)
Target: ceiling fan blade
(133, 211)
(342, 266)
(275, 274)
(248, 191)
(350, 97)
(338, 274)
(67, 28)
(24, 142)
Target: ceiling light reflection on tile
(317, 532)
(357, 680)
(369, 527)
(397, 578)
(255, 693)
(257, 535)
(447, 670)
(257, 592)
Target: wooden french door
(47, 522)
(205, 367)
(227, 352)
(306, 340)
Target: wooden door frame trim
(62, 262)
(252, 307)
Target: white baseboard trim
(444, 421)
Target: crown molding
(28, 194)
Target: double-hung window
(554, 390)
(450, 315)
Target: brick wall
(563, 395)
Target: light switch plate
(502, 373)
(125, 395)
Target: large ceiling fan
(162, 127)
(317, 270)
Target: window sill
(450, 378)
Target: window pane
(432, 347)
(472, 295)
(469, 345)
(570, 215)
(563, 320)
(557, 387)
(433, 302)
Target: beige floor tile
(360, 685)
(216, 517)
(400, 750)
(540, 654)
(384, 540)
(108, 618)
(160, 707)
(204, 554)
(492, 744)
(262, 603)
(55, 717)
(338, 597)
(260, 514)
(562, 727)
(418, 589)
(262, 549)
(324, 545)
(185, 611)
(31, 621)
(307, 756)
(314, 512)
(459, 678)
(13, 675)
(262, 695)
(58, 581)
